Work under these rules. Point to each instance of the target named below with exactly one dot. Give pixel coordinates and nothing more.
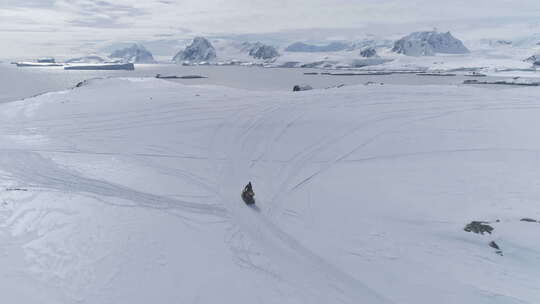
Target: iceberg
(37, 64)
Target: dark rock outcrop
(368, 52)
(478, 227)
(534, 59)
(302, 87)
(495, 246)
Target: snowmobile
(248, 196)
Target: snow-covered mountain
(429, 43)
(489, 53)
(310, 48)
(199, 50)
(259, 50)
(136, 53)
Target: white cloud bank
(50, 27)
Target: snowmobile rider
(248, 194)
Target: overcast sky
(49, 27)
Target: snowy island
(429, 44)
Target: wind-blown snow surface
(128, 191)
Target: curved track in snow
(288, 259)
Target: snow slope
(128, 191)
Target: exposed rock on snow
(495, 246)
(198, 51)
(478, 227)
(302, 87)
(134, 54)
(260, 51)
(530, 220)
(368, 52)
(428, 44)
(303, 47)
(492, 244)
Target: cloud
(27, 3)
(100, 14)
(72, 21)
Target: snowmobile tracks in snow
(287, 258)
(38, 171)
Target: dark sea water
(17, 83)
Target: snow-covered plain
(128, 191)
